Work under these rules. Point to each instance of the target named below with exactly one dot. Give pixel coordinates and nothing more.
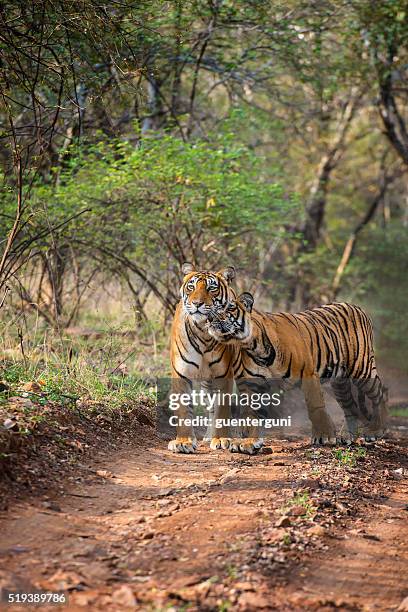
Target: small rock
(18, 549)
(226, 479)
(273, 535)
(317, 530)
(309, 483)
(245, 586)
(165, 492)
(228, 476)
(253, 601)
(52, 506)
(64, 581)
(123, 597)
(297, 510)
(163, 502)
(284, 521)
(355, 532)
(84, 599)
(403, 607)
(104, 473)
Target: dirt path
(145, 529)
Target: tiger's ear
(228, 273)
(187, 267)
(247, 300)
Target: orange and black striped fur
(332, 342)
(196, 357)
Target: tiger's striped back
(339, 337)
(332, 342)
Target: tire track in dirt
(147, 529)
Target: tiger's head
(234, 323)
(206, 293)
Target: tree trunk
(315, 208)
(394, 124)
(316, 205)
(152, 121)
(384, 182)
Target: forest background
(137, 135)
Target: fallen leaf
(32, 387)
(21, 402)
(10, 425)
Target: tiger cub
(332, 342)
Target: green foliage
(195, 131)
(64, 384)
(349, 457)
(166, 201)
(302, 499)
(399, 411)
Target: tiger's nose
(197, 303)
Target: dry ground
(292, 529)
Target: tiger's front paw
(248, 446)
(324, 432)
(324, 440)
(346, 438)
(220, 443)
(183, 445)
(374, 435)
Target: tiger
(195, 356)
(333, 342)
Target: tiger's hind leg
(374, 390)
(343, 393)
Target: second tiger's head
(234, 323)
